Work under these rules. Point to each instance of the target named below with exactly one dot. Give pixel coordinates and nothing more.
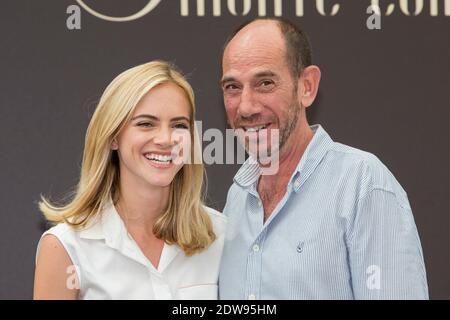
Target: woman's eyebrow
(151, 117)
(146, 116)
(180, 118)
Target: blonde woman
(136, 227)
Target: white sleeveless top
(110, 265)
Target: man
(332, 223)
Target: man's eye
(230, 86)
(266, 83)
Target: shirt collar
(321, 142)
(105, 226)
(111, 228)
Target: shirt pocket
(198, 292)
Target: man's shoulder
(357, 156)
(234, 191)
(367, 168)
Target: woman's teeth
(158, 157)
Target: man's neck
(290, 156)
(272, 188)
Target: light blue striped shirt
(344, 230)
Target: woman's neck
(140, 207)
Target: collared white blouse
(110, 265)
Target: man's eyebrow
(265, 73)
(260, 74)
(151, 117)
(227, 79)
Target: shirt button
(259, 203)
(255, 248)
(252, 297)
(297, 184)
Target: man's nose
(248, 105)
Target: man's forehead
(256, 40)
(254, 73)
(257, 44)
(261, 61)
(255, 57)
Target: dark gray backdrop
(385, 91)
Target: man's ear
(308, 85)
(114, 145)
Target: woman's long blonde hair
(185, 221)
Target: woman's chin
(159, 183)
(159, 180)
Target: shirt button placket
(254, 269)
(160, 288)
(253, 277)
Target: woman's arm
(54, 273)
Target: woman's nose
(163, 137)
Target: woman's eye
(181, 126)
(145, 124)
